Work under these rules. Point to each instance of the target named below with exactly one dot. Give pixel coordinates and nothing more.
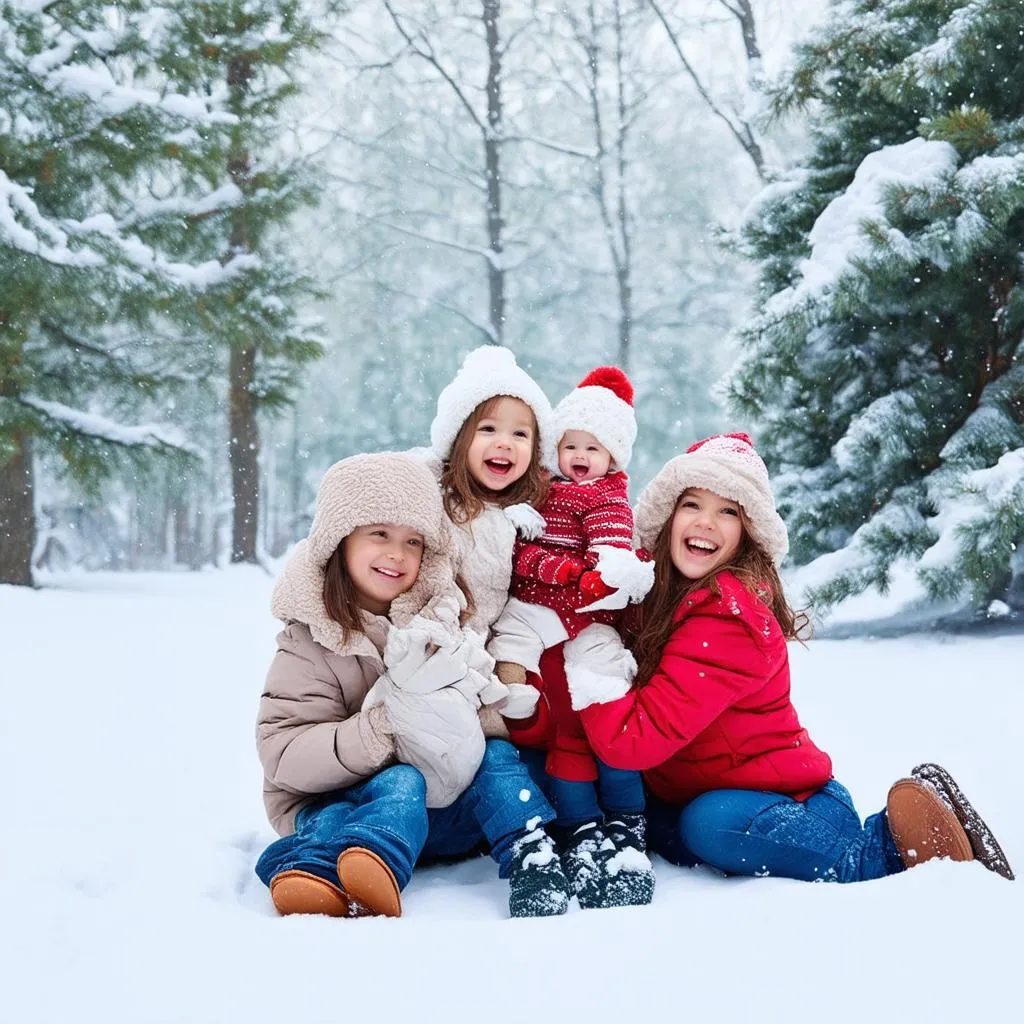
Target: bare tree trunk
(243, 430)
(612, 198)
(17, 514)
(243, 451)
(740, 129)
(745, 15)
(624, 266)
(492, 166)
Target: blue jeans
(745, 832)
(388, 815)
(621, 792)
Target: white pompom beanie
(386, 487)
(487, 372)
(602, 405)
(726, 464)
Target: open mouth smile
(700, 547)
(579, 471)
(391, 574)
(499, 466)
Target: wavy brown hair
(464, 498)
(340, 597)
(751, 565)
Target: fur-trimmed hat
(602, 405)
(726, 464)
(487, 372)
(387, 487)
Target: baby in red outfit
(569, 586)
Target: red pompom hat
(602, 405)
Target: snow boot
(922, 825)
(634, 824)
(984, 845)
(299, 892)
(630, 874)
(607, 868)
(584, 853)
(537, 884)
(368, 884)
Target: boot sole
(369, 884)
(299, 892)
(922, 826)
(983, 842)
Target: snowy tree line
(198, 200)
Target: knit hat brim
(600, 412)
(487, 372)
(385, 487)
(738, 480)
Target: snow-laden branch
(25, 228)
(100, 428)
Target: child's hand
(569, 571)
(592, 587)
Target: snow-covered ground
(133, 818)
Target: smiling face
(383, 561)
(582, 457)
(502, 444)
(706, 532)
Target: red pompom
(745, 438)
(612, 378)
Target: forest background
(242, 239)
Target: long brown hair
(464, 498)
(340, 598)
(751, 565)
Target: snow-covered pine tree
(244, 54)
(80, 124)
(886, 362)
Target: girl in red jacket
(736, 781)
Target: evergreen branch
(91, 426)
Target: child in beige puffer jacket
(370, 604)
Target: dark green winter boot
(537, 884)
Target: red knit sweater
(579, 517)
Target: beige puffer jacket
(312, 735)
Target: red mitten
(593, 588)
(568, 571)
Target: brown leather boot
(299, 892)
(983, 842)
(922, 826)
(369, 884)
(509, 672)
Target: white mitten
(621, 569)
(416, 665)
(598, 668)
(529, 523)
(521, 701)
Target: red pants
(555, 727)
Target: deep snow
(133, 818)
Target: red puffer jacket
(716, 714)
